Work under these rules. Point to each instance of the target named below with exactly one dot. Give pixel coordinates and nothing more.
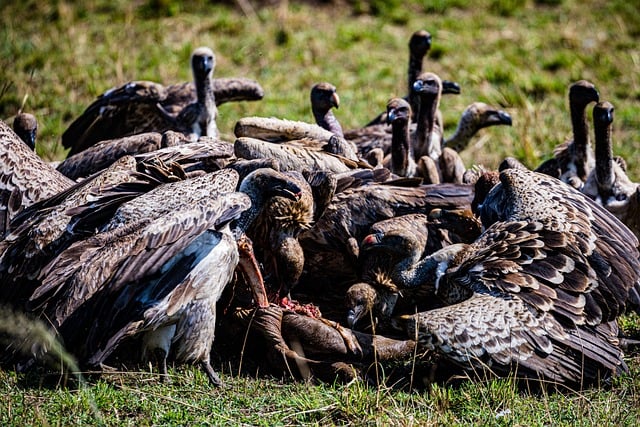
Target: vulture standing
(401, 161)
(573, 160)
(144, 106)
(608, 183)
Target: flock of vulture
(315, 251)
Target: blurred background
(521, 55)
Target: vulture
(476, 116)
(375, 297)
(25, 178)
(369, 140)
(428, 138)
(435, 163)
(406, 237)
(157, 267)
(573, 160)
(608, 182)
(39, 232)
(331, 246)
(275, 233)
(144, 106)
(401, 161)
(323, 98)
(296, 145)
(537, 294)
(25, 126)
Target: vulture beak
(450, 87)
(335, 100)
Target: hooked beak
(353, 315)
(335, 100)
(500, 117)
(450, 87)
(290, 191)
(371, 240)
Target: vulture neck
(604, 160)
(463, 134)
(327, 120)
(426, 125)
(429, 271)
(415, 68)
(207, 102)
(258, 198)
(580, 129)
(402, 162)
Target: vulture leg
(214, 379)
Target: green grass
(519, 54)
(56, 57)
(131, 398)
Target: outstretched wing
(125, 110)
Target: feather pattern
(24, 178)
(539, 290)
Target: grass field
(56, 57)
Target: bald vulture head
(203, 61)
(582, 93)
(25, 126)
(398, 109)
(420, 43)
(366, 302)
(324, 96)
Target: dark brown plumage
(104, 153)
(331, 245)
(25, 125)
(143, 106)
(375, 297)
(311, 144)
(323, 98)
(608, 182)
(538, 293)
(40, 232)
(206, 154)
(573, 160)
(24, 177)
(395, 244)
(149, 269)
(275, 236)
